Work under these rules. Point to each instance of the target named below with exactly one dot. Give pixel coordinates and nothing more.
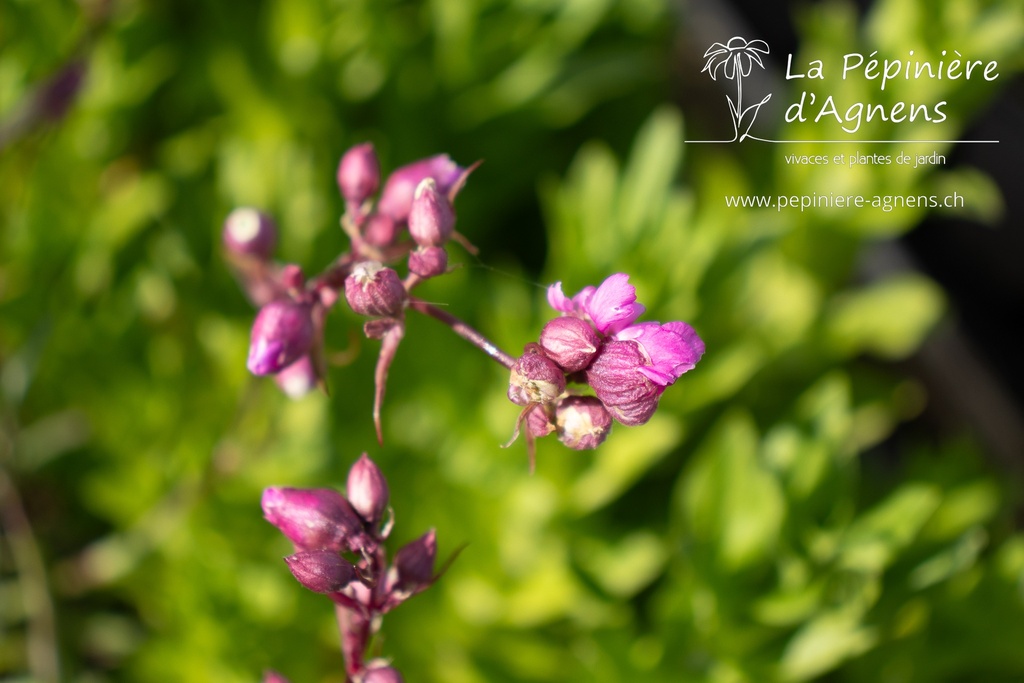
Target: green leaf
(648, 175)
(823, 644)
(729, 499)
(623, 459)
(889, 319)
(873, 541)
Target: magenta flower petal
(673, 349)
(559, 301)
(612, 306)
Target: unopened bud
(367, 490)
(397, 196)
(380, 230)
(359, 174)
(281, 334)
(431, 217)
(583, 422)
(428, 261)
(248, 232)
(314, 519)
(382, 673)
(571, 342)
(292, 277)
(535, 379)
(321, 571)
(615, 377)
(539, 422)
(375, 290)
(414, 563)
(298, 379)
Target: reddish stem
(463, 330)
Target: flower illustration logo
(736, 59)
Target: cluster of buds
(339, 552)
(598, 343)
(412, 219)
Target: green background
(773, 522)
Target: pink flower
(611, 306)
(670, 349)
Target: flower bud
(281, 334)
(273, 677)
(539, 422)
(569, 341)
(248, 232)
(535, 379)
(428, 261)
(414, 563)
(367, 490)
(314, 519)
(321, 571)
(583, 422)
(292, 277)
(359, 174)
(375, 290)
(431, 217)
(397, 196)
(382, 673)
(380, 230)
(298, 379)
(615, 377)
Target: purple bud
(314, 519)
(321, 571)
(397, 196)
(281, 334)
(292, 277)
(539, 422)
(615, 377)
(298, 379)
(428, 261)
(374, 289)
(414, 563)
(535, 379)
(359, 174)
(248, 232)
(273, 677)
(571, 342)
(382, 674)
(367, 490)
(380, 230)
(431, 217)
(583, 422)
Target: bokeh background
(833, 494)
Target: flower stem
(355, 634)
(463, 330)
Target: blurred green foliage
(749, 532)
